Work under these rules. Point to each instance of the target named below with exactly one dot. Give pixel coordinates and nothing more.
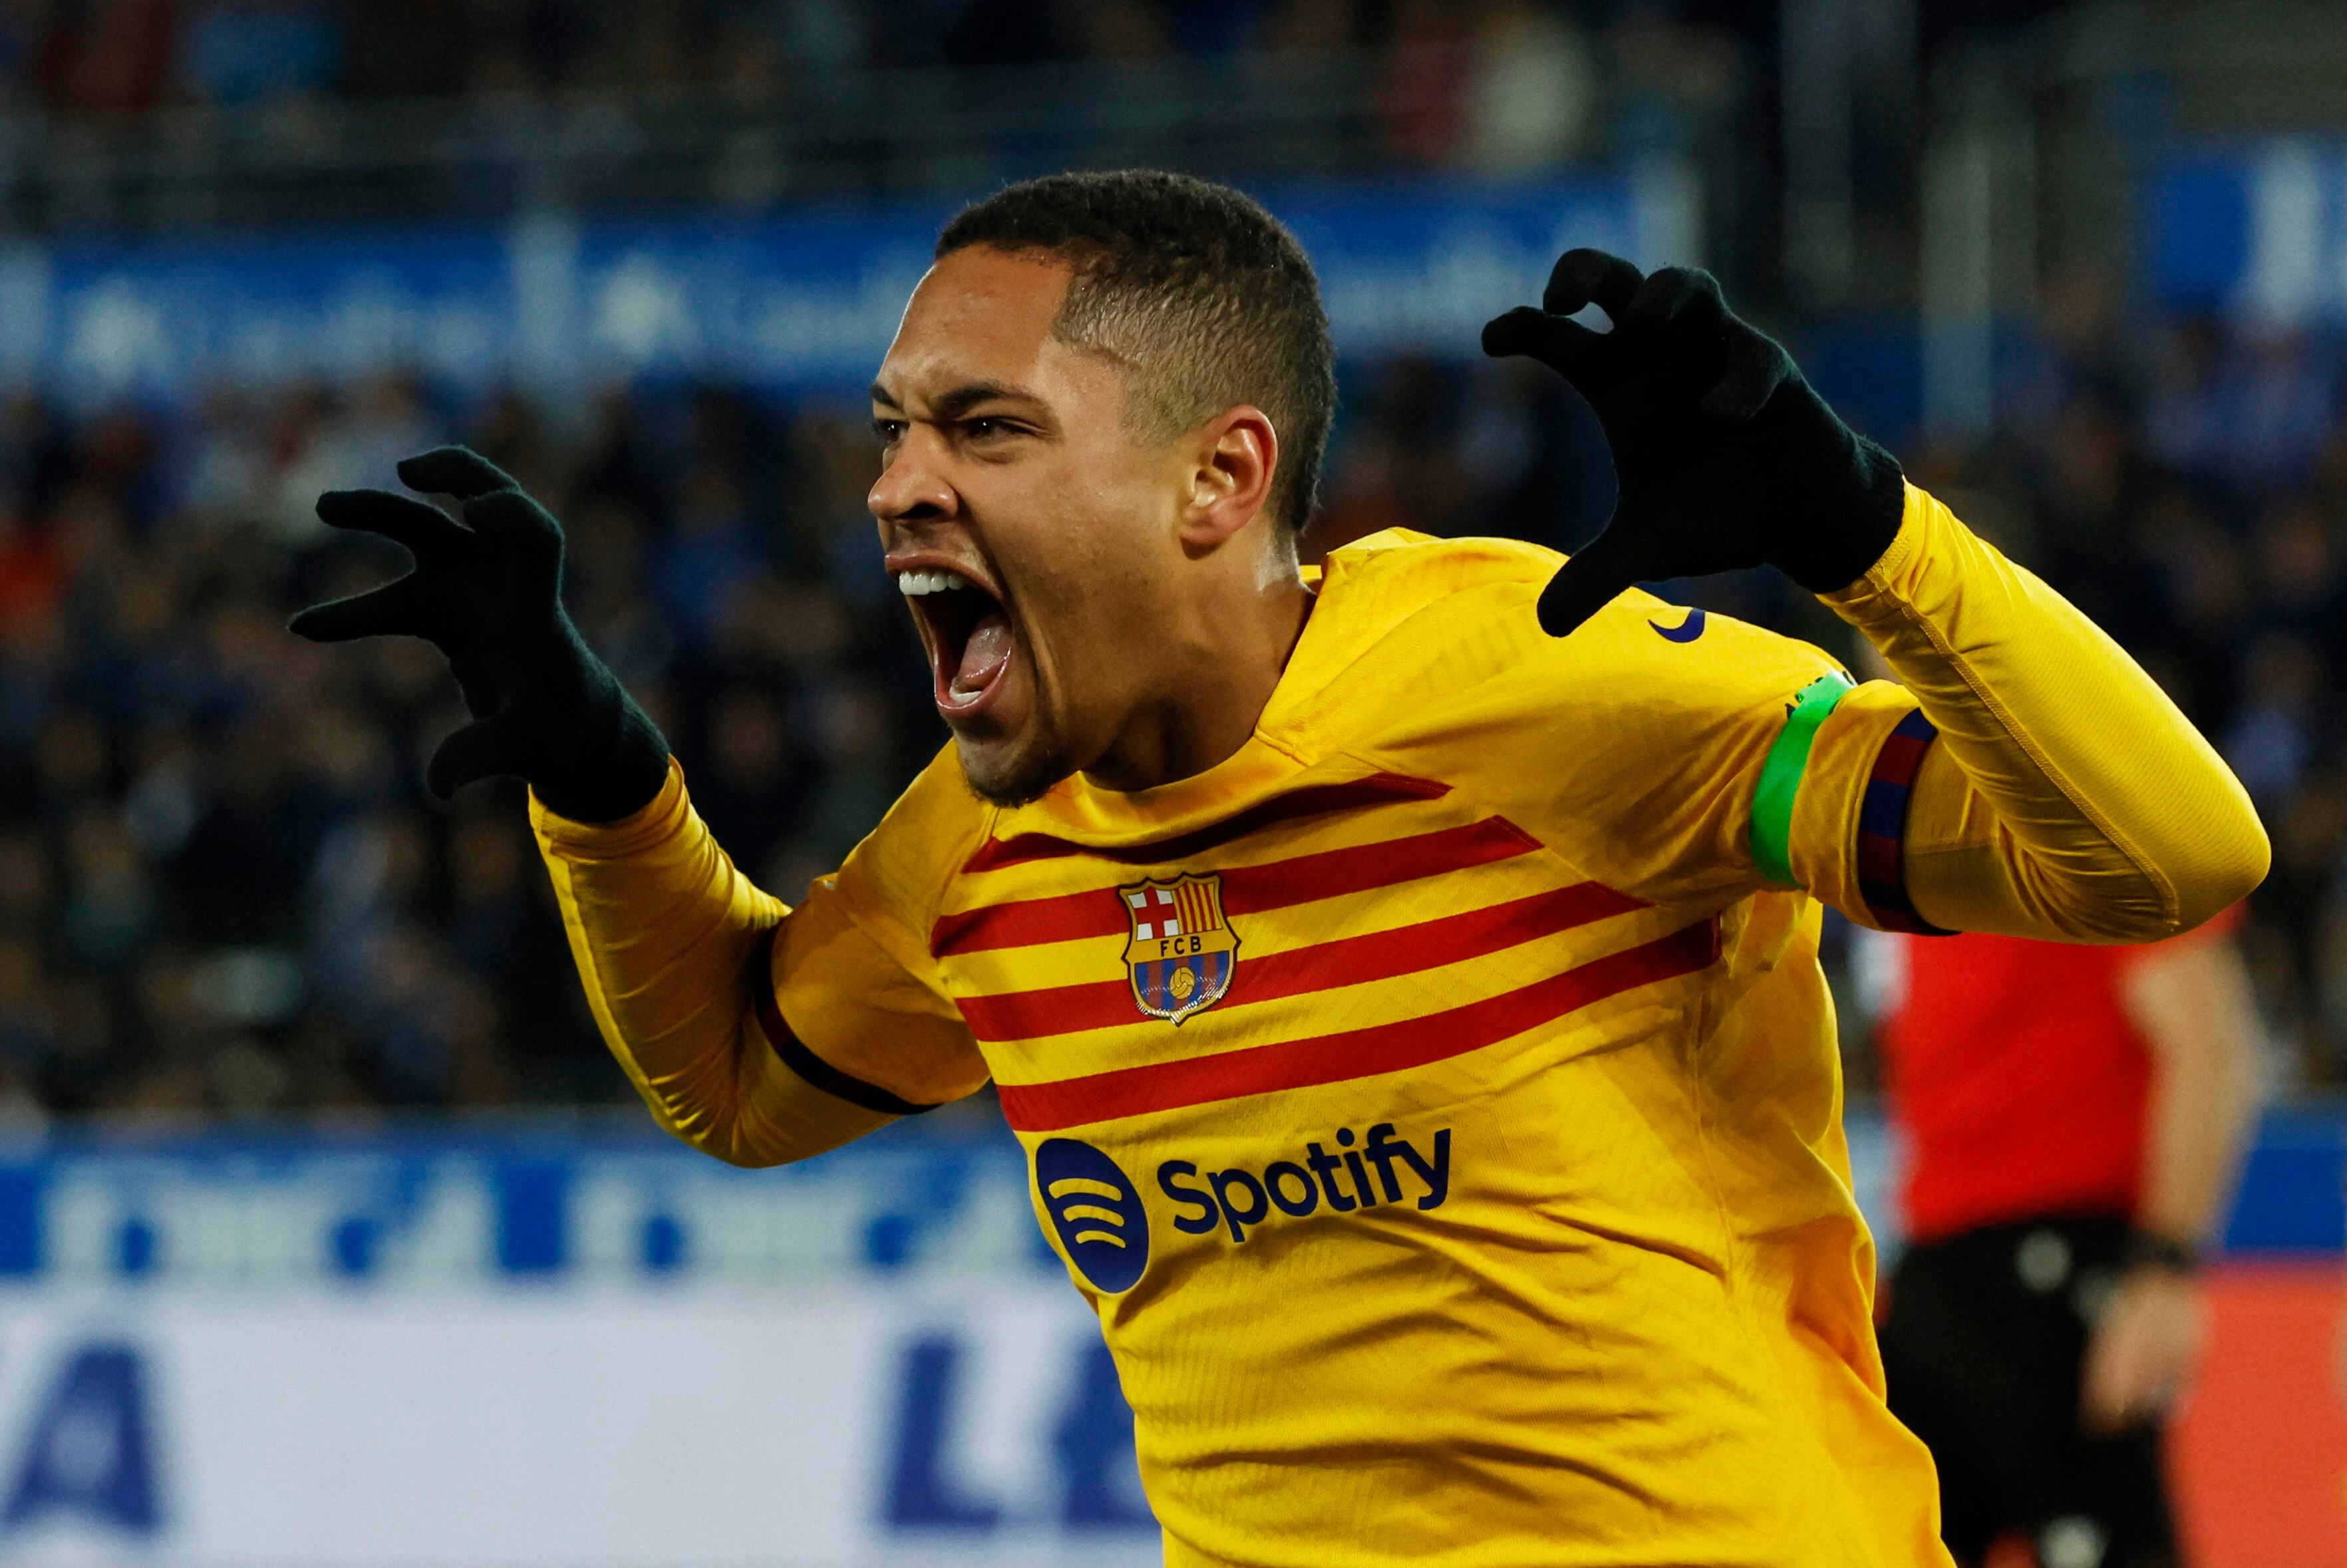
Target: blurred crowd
(220, 883)
(223, 889)
(1498, 85)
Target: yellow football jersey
(1438, 1099)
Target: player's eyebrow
(955, 403)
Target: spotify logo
(1095, 1212)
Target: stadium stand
(221, 888)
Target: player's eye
(890, 431)
(993, 429)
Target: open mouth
(969, 635)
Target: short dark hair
(1196, 287)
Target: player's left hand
(1726, 458)
(2141, 1349)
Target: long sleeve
(2065, 796)
(745, 1024)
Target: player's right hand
(486, 593)
(1726, 458)
(2142, 1350)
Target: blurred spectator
(823, 35)
(1531, 90)
(2271, 740)
(240, 50)
(1312, 26)
(1007, 33)
(110, 906)
(2244, 410)
(751, 790)
(26, 1035)
(861, 774)
(1424, 83)
(709, 551)
(1121, 30)
(32, 570)
(107, 58)
(1672, 81)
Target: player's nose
(913, 486)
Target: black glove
(1726, 458)
(487, 592)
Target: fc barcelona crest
(1182, 951)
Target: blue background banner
(806, 299)
(622, 1204)
(2254, 228)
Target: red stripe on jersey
(1350, 960)
(1318, 800)
(1247, 889)
(1355, 1053)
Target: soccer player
(2075, 1118)
(1402, 976)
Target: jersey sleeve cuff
(659, 818)
(1885, 577)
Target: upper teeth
(930, 581)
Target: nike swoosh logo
(1686, 630)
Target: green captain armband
(1780, 778)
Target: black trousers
(1982, 1349)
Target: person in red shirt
(2073, 1118)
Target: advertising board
(787, 300)
(818, 1425)
(585, 1347)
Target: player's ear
(1237, 452)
